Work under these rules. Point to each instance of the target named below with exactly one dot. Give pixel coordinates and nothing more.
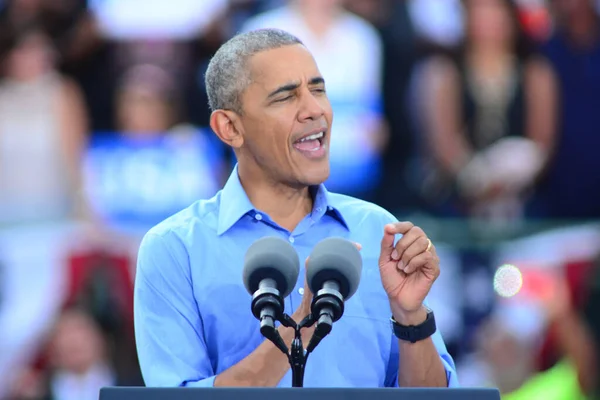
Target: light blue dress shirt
(192, 312)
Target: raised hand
(408, 269)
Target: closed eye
(283, 99)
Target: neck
(285, 205)
(488, 60)
(319, 20)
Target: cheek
(269, 136)
(279, 142)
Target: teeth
(313, 137)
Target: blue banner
(141, 181)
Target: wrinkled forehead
(271, 69)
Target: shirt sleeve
(168, 326)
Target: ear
(227, 125)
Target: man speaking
(193, 322)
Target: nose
(311, 106)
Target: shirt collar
(234, 204)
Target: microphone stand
(267, 306)
(298, 355)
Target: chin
(315, 175)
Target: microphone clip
(267, 306)
(327, 307)
(328, 304)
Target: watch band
(415, 333)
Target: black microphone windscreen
(335, 259)
(274, 258)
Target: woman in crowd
(43, 126)
(488, 116)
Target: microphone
(333, 274)
(271, 269)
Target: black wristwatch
(415, 333)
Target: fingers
(415, 237)
(399, 227)
(424, 261)
(413, 251)
(418, 246)
(389, 235)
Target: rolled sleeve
(394, 367)
(447, 360)
(168, 328)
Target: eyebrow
(293, 86)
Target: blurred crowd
(482, 112)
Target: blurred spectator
(179, 163)
(81, 53)
(509, 343)
(78, 363)
(488, 116)
(59, 18)
(78, 358)
(339, 38)
(571, 186)
(402, 47)
(575, 376)
(147, 102)
(506, 346)
(42, 132)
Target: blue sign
(141, 181)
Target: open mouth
(313, 143)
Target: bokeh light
(508, 280)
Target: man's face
(287, 117)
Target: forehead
(275, 67)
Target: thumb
(387, 244)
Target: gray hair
(228, 74)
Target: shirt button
(330, 208)
(301, 291)
(291, 239)
(318, 209)
(258, 217)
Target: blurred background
(479, 120)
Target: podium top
(141, 393)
